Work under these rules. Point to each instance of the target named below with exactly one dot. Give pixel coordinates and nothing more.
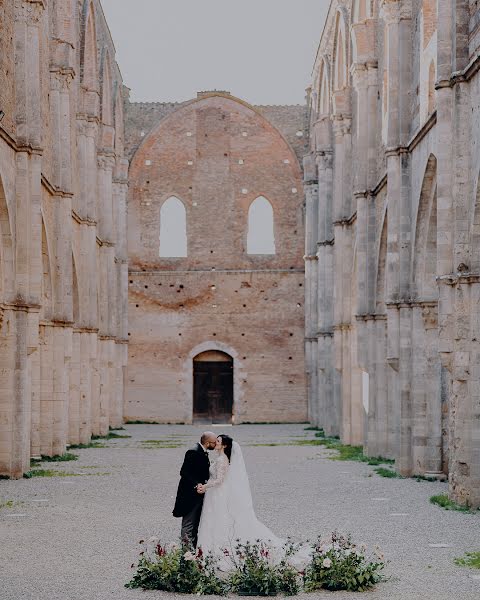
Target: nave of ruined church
(392, 238)
(63, 258)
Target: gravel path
(74, 538)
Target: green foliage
(144, 423)
(110, 436)
(389, 473)
(257, 574)
(171, 443)
(9, 503)
(176, 569)
(444, 501)
(340, 565)
(85, 446)
(116, 428)
(4, 477)
(471, 559)
(58, 458)
(47, 473)
(423, 478)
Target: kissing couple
(214, 498)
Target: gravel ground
(74, 538)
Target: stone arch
(381, 271)
(173, 229)
(475, 232)
(106, 93)
(75, 293)
(261, 227)
(238, 374)
(324, 91)
(425, 243)
(47, 283)
(7, 270)
(340, 54)
(88, 57)
(119, 122)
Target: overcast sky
(260, 50)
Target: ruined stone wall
(216, 155)
(63, 230)
(394, 125)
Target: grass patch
(471, 559)
(389, 473)
(444, 501)
(110, 436)
(47, 473)
(423, 478)
(58, 458)
(116, 429)
(85, 446)
(10, 503)
(4, 477)
(161, 443)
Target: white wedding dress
(228, 514)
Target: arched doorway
(213, 387)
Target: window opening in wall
(261, 236)
(213, 387)
(173, 229)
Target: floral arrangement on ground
(255, 569)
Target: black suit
(189, 502)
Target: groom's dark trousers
(189, 502)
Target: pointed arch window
(261, 230)
(173, 229)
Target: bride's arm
(222, 470)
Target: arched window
(324, 94)
(340, 63)
(173, 229)
(90, 72)
(261, 236)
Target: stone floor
(74, 538)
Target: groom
(194, 471)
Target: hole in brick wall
(131, 281)
(181, 286)
(300, 285)
(146, 287)
(180, 334)
(172, 285)
(295, 232)
(129, 334)
(159, 284)
(148, 181)
(214, 334)
(211, 251)
(243, 335)
(291, 334)
(179, 291)
(225, 154)
(289, 358)
(299, 305)
(181, 305)
(136, 305)
(290, 381)
(244, 358)
(292, 268)
(244, 306)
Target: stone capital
(324, 160)
(106, 162)
(359, 73)
(341, 126)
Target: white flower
(189, 556)
(327, 563)
(348, 552)
(363, 548)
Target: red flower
(199, 553)
(160, 550)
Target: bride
(228, 514)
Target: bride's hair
(227, 442)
